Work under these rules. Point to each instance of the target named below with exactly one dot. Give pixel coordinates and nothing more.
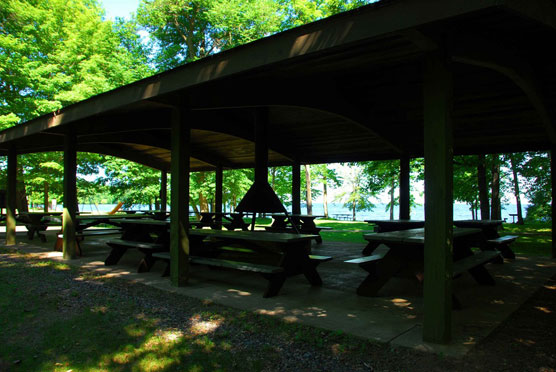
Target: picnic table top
(296, 215)
(478, 223)
(393, 222)
(41, 213)
(254, 235)
(232, 235)
(414, 236)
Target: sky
(119, 8)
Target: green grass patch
(535, 239)
(60, 319)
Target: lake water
(461, 211)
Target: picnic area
(450, 101)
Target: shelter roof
(346, 88)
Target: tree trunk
(516, 191)
(196, 210)
(495, 212)
(273, 175)
(308, 184)
(203, 202)
(353, 210)
(392, 200)
(21, 193)
(325, 198)
(482, 184)
(45, 196)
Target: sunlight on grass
(51, 264)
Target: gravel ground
(525, 342)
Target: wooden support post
(11, 196)
(296, 187)
(553, 178)
(218, 191)
(179, 241)
(404, 188)
(437, 323)
(163, 190)
(70, 248)
(261, 145)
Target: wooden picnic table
(405, 252)
(396, 225)
(302, 223)
(277, 255)
(492, 238)
(35, 222)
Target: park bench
(502, 243)
(80, 236)
(274, 274)
(120, 246)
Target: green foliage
(538, 185)
(357, 198)
(280, 179)
(183, 31)
(129, 182)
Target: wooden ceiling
(347, 88)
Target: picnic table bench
(274, 274)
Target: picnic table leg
(275, 283)
(507, 251)
(296, 260)
(481, 275)
(380, 272)
(369, 248)
(146, 264)
(115, 254)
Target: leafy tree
(129, 182)
(357, 197)
(280, 179)
(235, 184)
(326, 176)
(55, 53)
(516, 160)
(465, 182)
(383, 175)
(538, 185)
(186, 30)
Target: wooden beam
(437, 90)
(296, 187)
(405, 194)
(70, 197)
(155, 138)
(179, 240)
(163, 190)
(11, 196)
(320, 97)
(480, 51)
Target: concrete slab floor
(394, 317)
